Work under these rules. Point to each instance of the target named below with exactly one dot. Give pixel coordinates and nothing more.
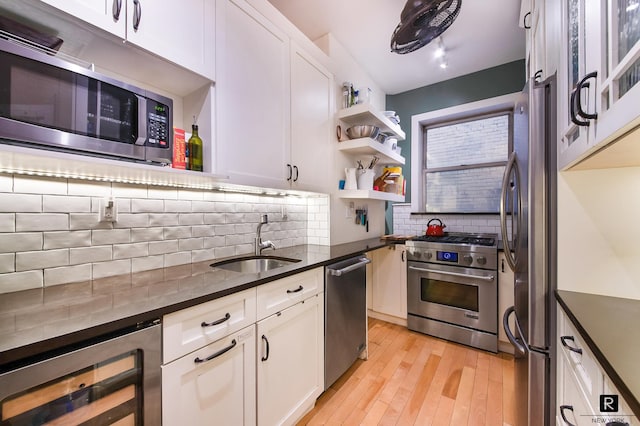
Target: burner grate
(457, 239)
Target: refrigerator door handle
(520, 347)
(512, 165)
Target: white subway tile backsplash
(163, 219)
(163, 193)
(191, 219)
(125, 190)
(89, 254)
(23, 203)
(88, 188)
(177, 206)
(176, 232)
(148, 263)
(7, 222)
(80, 221)
(108, 269)
(202, 255)
(180, 258)
(132, 220)
(26, 222)
(110, 236)
(66, 239)
(18, 281)
(190, 244)
(28, 260)
(214, 242)
(52, 227)
(163, 247)
(20, 241)
(147, 234)
(126, 251)
(39, 185)
(67, 274)
(146, 206)
(65, 204)
(7, 262)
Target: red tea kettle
(435, 230)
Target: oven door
(462, 296)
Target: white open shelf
(368, 146)
(365, 114)
(370, 194)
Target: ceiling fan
(421, 21)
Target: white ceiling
(485, 34)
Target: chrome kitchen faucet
(259, 245)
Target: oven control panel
(453, 257)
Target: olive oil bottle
(195, 149)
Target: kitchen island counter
(49, 319)
(608, 325)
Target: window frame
(459, 112)
(425, 170)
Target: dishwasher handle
(360, 264)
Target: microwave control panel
(157, 125)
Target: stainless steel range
(452, 288)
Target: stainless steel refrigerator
(528, 207)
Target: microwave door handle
(142, 120)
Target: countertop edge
(27, 354)
(619, 383)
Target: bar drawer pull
(216, 322)
(222, 351)
(564, 339)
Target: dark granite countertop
(42, 320)
(609, 326)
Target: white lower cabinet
(582, 382)
(389, 284)
(213, 385)
(290, 371)
(222, 367)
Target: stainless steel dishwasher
(345, 313)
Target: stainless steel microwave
(50, 103)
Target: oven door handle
(453, 274)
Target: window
(463, 163)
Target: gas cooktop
(488, 240)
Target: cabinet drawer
(573, 406)
(278, 295)
(581, 360)
(192, 328)
(624, 413)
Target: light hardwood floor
(411, 378)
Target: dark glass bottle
(195, 150)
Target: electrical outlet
(108, 210)
(350, 211)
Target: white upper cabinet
(109, 15)
(311, 122)
(181, 32)
(274, 113)
(253, 96)
(600, 70)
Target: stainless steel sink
(254, 264)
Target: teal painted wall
(496, 81)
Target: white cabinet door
(290, 370)
(389, 283)
(253, 97)
(505, 296)
(311, 122)
(219, 389)
(182, 32)
(109, 15)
